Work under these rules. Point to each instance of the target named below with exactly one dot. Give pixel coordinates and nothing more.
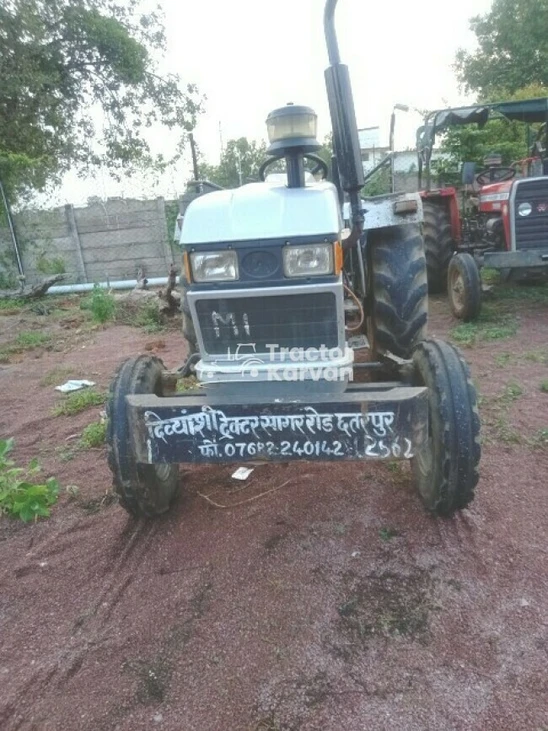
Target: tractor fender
(396, 209)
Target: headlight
(525, 209)
(214, 266)
(308, 261)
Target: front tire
(446, 466)
(464, 287)
(399, 289)
(144, 490)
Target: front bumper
(368, 421)
(524, 259)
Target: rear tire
(464, 287)
(144, 490)
(446, 467)
(438, 244)
(399, 289)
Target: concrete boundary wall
(111, 239)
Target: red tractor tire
(438, 243)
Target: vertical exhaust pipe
(346, 143)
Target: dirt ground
(333, 602)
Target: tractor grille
(532, 230)
(289, 321)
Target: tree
(240, 163)
(512, 140)
(513, 48)
(80, 86)
(241, 160)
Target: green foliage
(512, 140)
(512, 391)
(187, 384)
(79, 401)
(503, 359)
(240, 163)
(100, 303)
(8, 266)
(326, 150)
(171, 212)
(512, 48)
(94, 435)
(55, 265)
(491, 325)
(526, 293)
(490, 276)
(148, 316)
(379, 184)
(386, 534)
(9, 305)
(540, 439)
(62, 60)
(140, 312)
(241, 160)
(27, 340)
(20, 495)
(544, 386)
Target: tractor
(274, 282)
(502, 219)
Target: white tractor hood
(262, 211)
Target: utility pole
(194, 156)
(12, 229)
(221, 138)
(401, 108)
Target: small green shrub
(523, 293)
(149, 317)
(386, 534)
(512, 391)
(491, 325)
(20, 495)
(31, 339)
(27, 340)
(94, 435)
(56, 265)
(12, 304)
(503, 359)
(79, 401)
(540, 438)
(490, 276)
(544, 386)
(101, 304)
(187, 384)
(8, 279)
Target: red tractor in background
(502, 222)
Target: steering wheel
(321, 165)
(495, 175)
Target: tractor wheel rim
(457, 291)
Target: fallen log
(34, 292)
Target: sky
(251, 56)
